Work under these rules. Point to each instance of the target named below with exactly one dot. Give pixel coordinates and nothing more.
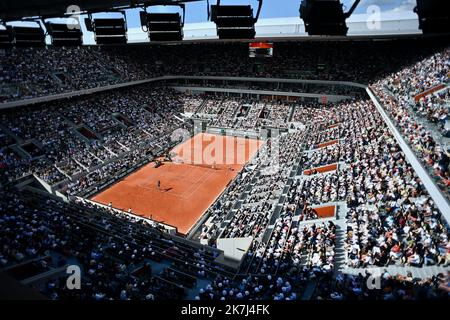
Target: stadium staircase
(291, 114)
(80, 164)
(340, 254)
(62, 171)
(200, 106)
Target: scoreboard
(260, 49)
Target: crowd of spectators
(114, 252)
(80, 144)
(435, 108)
(393, 287)
(246, 115)
(227, 117)
(327, 287)
(396, 234)
(56, 70)
(375, 174)
(275, 115)
(191, 104)
(396, 93)
(83, 141)
(391, 219)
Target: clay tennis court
(201, 169)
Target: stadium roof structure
(11, 10)
(361, 25)
(393, 24)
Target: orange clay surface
(202, 167)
